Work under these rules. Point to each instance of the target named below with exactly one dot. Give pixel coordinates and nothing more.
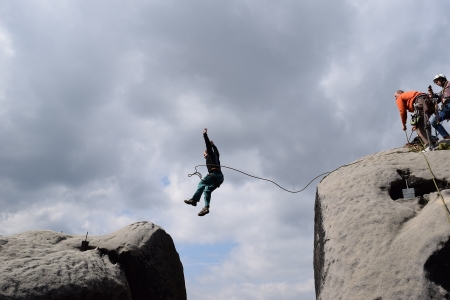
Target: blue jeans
(206, 186)
(443, 115)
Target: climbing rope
(328, 173)
(437, 188)
(293, 192)
(409, 139)
(434, 181)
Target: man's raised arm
(216, 151)
(207, 142)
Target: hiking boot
(204, 211)
(191, 202)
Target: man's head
(397, 93)
(440, 79)
(205, 154)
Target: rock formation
(136, 262)
(370, 243)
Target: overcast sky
(103, 103)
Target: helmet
(439, 76)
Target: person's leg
(219, 179)
(436, 122)
(206, 181)
(445, 116)
(207, 192)
(422, 132)
(216, 180)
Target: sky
(103, 104)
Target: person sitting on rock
(405, 102)
(211, 181)
(444, 112)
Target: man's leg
(208, 190)
(216, 180)
(422, 132)
(196, 198)
(434, 122)
(202, 185)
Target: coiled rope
(293, 192)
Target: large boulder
(136, 262)
(370, 242)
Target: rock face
(370, 243)
(136, 262)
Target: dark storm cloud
(248, 63)
(243, 60)
(59, 89)
(62, 126)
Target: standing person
(211, 181)
(414, 101)
(444, 112)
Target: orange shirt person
(405, 102)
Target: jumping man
(211, 181)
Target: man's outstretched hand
(205, 130)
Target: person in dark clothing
(444, 98)
(211, 181)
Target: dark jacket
(212, 160)
(444, 94)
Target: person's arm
(207, 142)
(216, 151)
(446, 94)
(436, 98)
(402, 109)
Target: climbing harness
(293, 192)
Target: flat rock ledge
(137, 262)
(370, 242)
